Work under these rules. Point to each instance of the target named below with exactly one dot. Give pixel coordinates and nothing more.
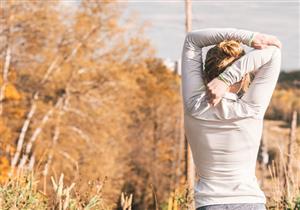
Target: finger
(216, 101)
(264, 46)
(277, 43)
(261, 46)
(273, 40)
(213, 101)
(257, 46)
(211, 94)
(209, 98)
(208, 94)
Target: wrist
(252, 38)
(220, 77)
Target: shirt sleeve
(191, 59)
(265, 64)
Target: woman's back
(224, 153)
(225, 139)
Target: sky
(167, 19)
(167, 22)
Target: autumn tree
(83, 94)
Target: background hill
(286, 97)
(289, 79)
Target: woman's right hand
(215, 90)
(261, 41)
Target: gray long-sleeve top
(225, 139)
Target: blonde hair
(222, 55)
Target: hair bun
(231, 48)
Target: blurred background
(91, 111)
(167, 21)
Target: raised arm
(265, 63)
(191, 60)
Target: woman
(223, 126)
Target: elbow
(276, 56)
(188, 37)
(276, 59)
(188, 41)
(276, 52)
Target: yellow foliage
(17, 112)
(283, 102)
(2, 126)
(4, 169)
(4, 161)
(12, 75)
(11, 92)
(5, 132)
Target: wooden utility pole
(190, 167)
(188, 15)
(291, 145)
(292, 141)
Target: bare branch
(22, 135)
(72, 160)
(82, 134)
(37, 132)
(5, 77)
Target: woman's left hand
(261, 41)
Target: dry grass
(20, 192)
(280, 186)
